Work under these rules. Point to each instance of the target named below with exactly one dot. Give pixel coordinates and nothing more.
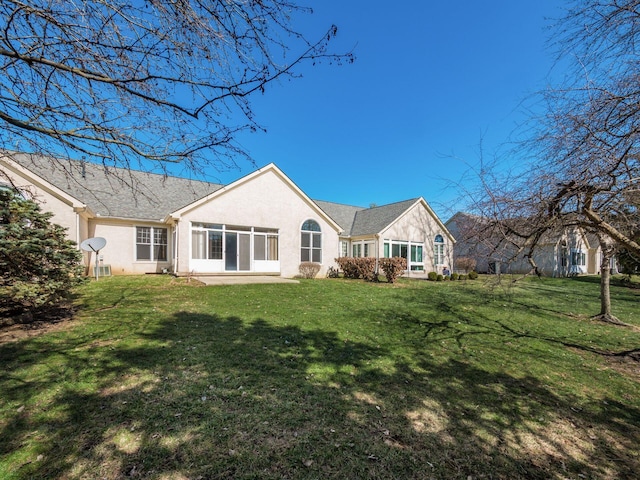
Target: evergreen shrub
(39, 266)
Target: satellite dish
(93, 244)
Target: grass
(157, 378)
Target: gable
(25, 179)
(376, 219)
(361, 222)
(264, 198)
(415, 222)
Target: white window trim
(151, 245)
(311, 248)
(255, 265)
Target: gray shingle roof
(343, 215)
(124, 193)
(375, 219)
(118, 192)
(364, 221)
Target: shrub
(432, 276)
(393, 267)
(462, 277)
(38, 265)
(333, 272)
(465, 263)
(439, 278)
(309, 269)
(347, 266)
(454, 276)
(366, 268)
(473, 275)
(358, 267)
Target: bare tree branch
(127, 82)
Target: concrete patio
(242, 279)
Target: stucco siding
(119, 251)
(267, 201)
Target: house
(260, 224)
(570, 251)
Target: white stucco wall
(418, 225)
(119, 252)
(267, 200)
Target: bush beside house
(38, 265)
(309, 269)
(365, 267)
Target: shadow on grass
(211, 397)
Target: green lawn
(157, 378)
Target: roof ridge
(394, 203)
(370, 207)
(338, 203)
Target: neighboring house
(558, 254)
(260, 224)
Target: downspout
(78, 229)
(377, 237)
(176, 228)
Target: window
(399, 249)
(215, 245)
(416, 253)
(260, 247)
(344, 249)
(206, 241)
(362, 249)
(311, 242)
(265, 247)
(151, 244)
(416, 257)
(438, 250)
(578, 258)
(395, 248)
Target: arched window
(311, 242)
(438, 250)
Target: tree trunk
(605, 280)
(605, 291)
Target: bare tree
(585, 150)
(589, 138)
(144, 83)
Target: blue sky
(432, 80)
